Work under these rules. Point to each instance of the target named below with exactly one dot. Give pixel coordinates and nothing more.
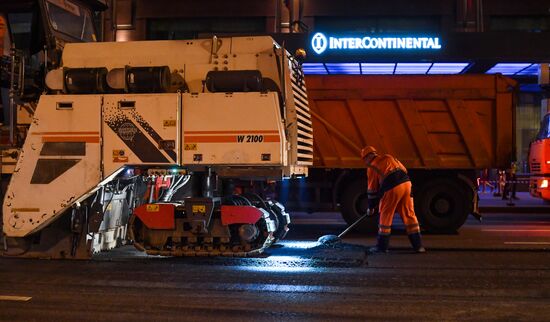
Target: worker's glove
(373, 212)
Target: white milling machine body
(152, 136)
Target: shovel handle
(367, 214)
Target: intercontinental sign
(321, 43)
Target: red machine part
(157, 216)
(157, 184)
(240, 215)
(539, 158)
(160, 183)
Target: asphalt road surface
(495, 271)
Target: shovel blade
(329, 239)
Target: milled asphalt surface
(472, 275)
(438, 286)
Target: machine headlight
(544, 183)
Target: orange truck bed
(427, 122)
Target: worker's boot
(416, 242)
(382, 244)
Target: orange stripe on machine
(87, 139)
(232, 138)
(234, 132)
(67, 133)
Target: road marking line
(527, 243)
(14, 298)
(518, 230)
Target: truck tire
(442, 205)
(353, 204)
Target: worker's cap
(367, 150)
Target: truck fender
(475, 198)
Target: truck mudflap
(475, 210)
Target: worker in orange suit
(389, 189)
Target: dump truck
(444, 128)
(539, 162)
(149, 143)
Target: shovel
(332, 239)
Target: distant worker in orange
(389, 189)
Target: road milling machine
(162, 144)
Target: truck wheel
(354, 204)
(442, 205)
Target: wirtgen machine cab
(33, 34)
(168, 139)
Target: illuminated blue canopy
(515, 69)
(384, 68)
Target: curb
(515, 209)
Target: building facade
(474, 36)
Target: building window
(430, 24)
(519, 23)
(192, 28)
(528, 125)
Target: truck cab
(539, 161)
